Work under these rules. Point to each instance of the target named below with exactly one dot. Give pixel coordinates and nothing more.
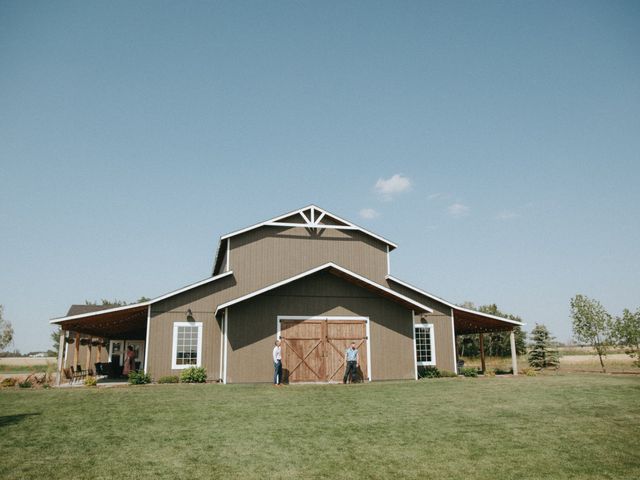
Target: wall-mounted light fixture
(189, 315)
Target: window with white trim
(424, 344)
(187, 345)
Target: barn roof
(341, 272)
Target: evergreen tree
(543, 353)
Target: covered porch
(469, 322)
(94, 341)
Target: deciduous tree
(591, 325)
(626, 331)
(6, 331)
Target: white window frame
(426, 326)
(174, 349)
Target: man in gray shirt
(277, 364)
(351, 359)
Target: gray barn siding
(202, 301)
(442, 325)
(267, 255)
(161, 344)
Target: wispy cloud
(458, 210)
(438, 195)
(388, 187)
(507, 215)
(368, 213)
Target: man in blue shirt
(351, 358)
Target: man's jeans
(277, 372)
(352, 370)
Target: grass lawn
(557, 426)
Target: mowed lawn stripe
(552, 426)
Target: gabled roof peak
(312, 217)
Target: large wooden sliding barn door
(313, 350)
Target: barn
(310, 278)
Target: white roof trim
(317, 269)
(142, 304)
(455, 307)
(100, 312)
(313, 224)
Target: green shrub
(194, 375)
(447, 374)
(138, 377)
(469, 372)
(169, 379)
(8, 382)
(501, 371)
(428, 372)
(91, 382)
(25, 384)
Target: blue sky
(497, 143)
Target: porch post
(482, 364)
(76, 352)
(88, 356)
(61, 346)
(514, 358)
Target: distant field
(556, 426)
(25, 365)
(585, 361)
(27, 361)
(586, 351)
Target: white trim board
(146, 340)
(448, 304)
(143, 304)
(226, 341)
(455, 346)
(332, 317)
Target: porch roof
(468, 321)
(112, 322)
(126, 322)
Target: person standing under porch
(351, 359)
(129, 361)
(277, 364)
